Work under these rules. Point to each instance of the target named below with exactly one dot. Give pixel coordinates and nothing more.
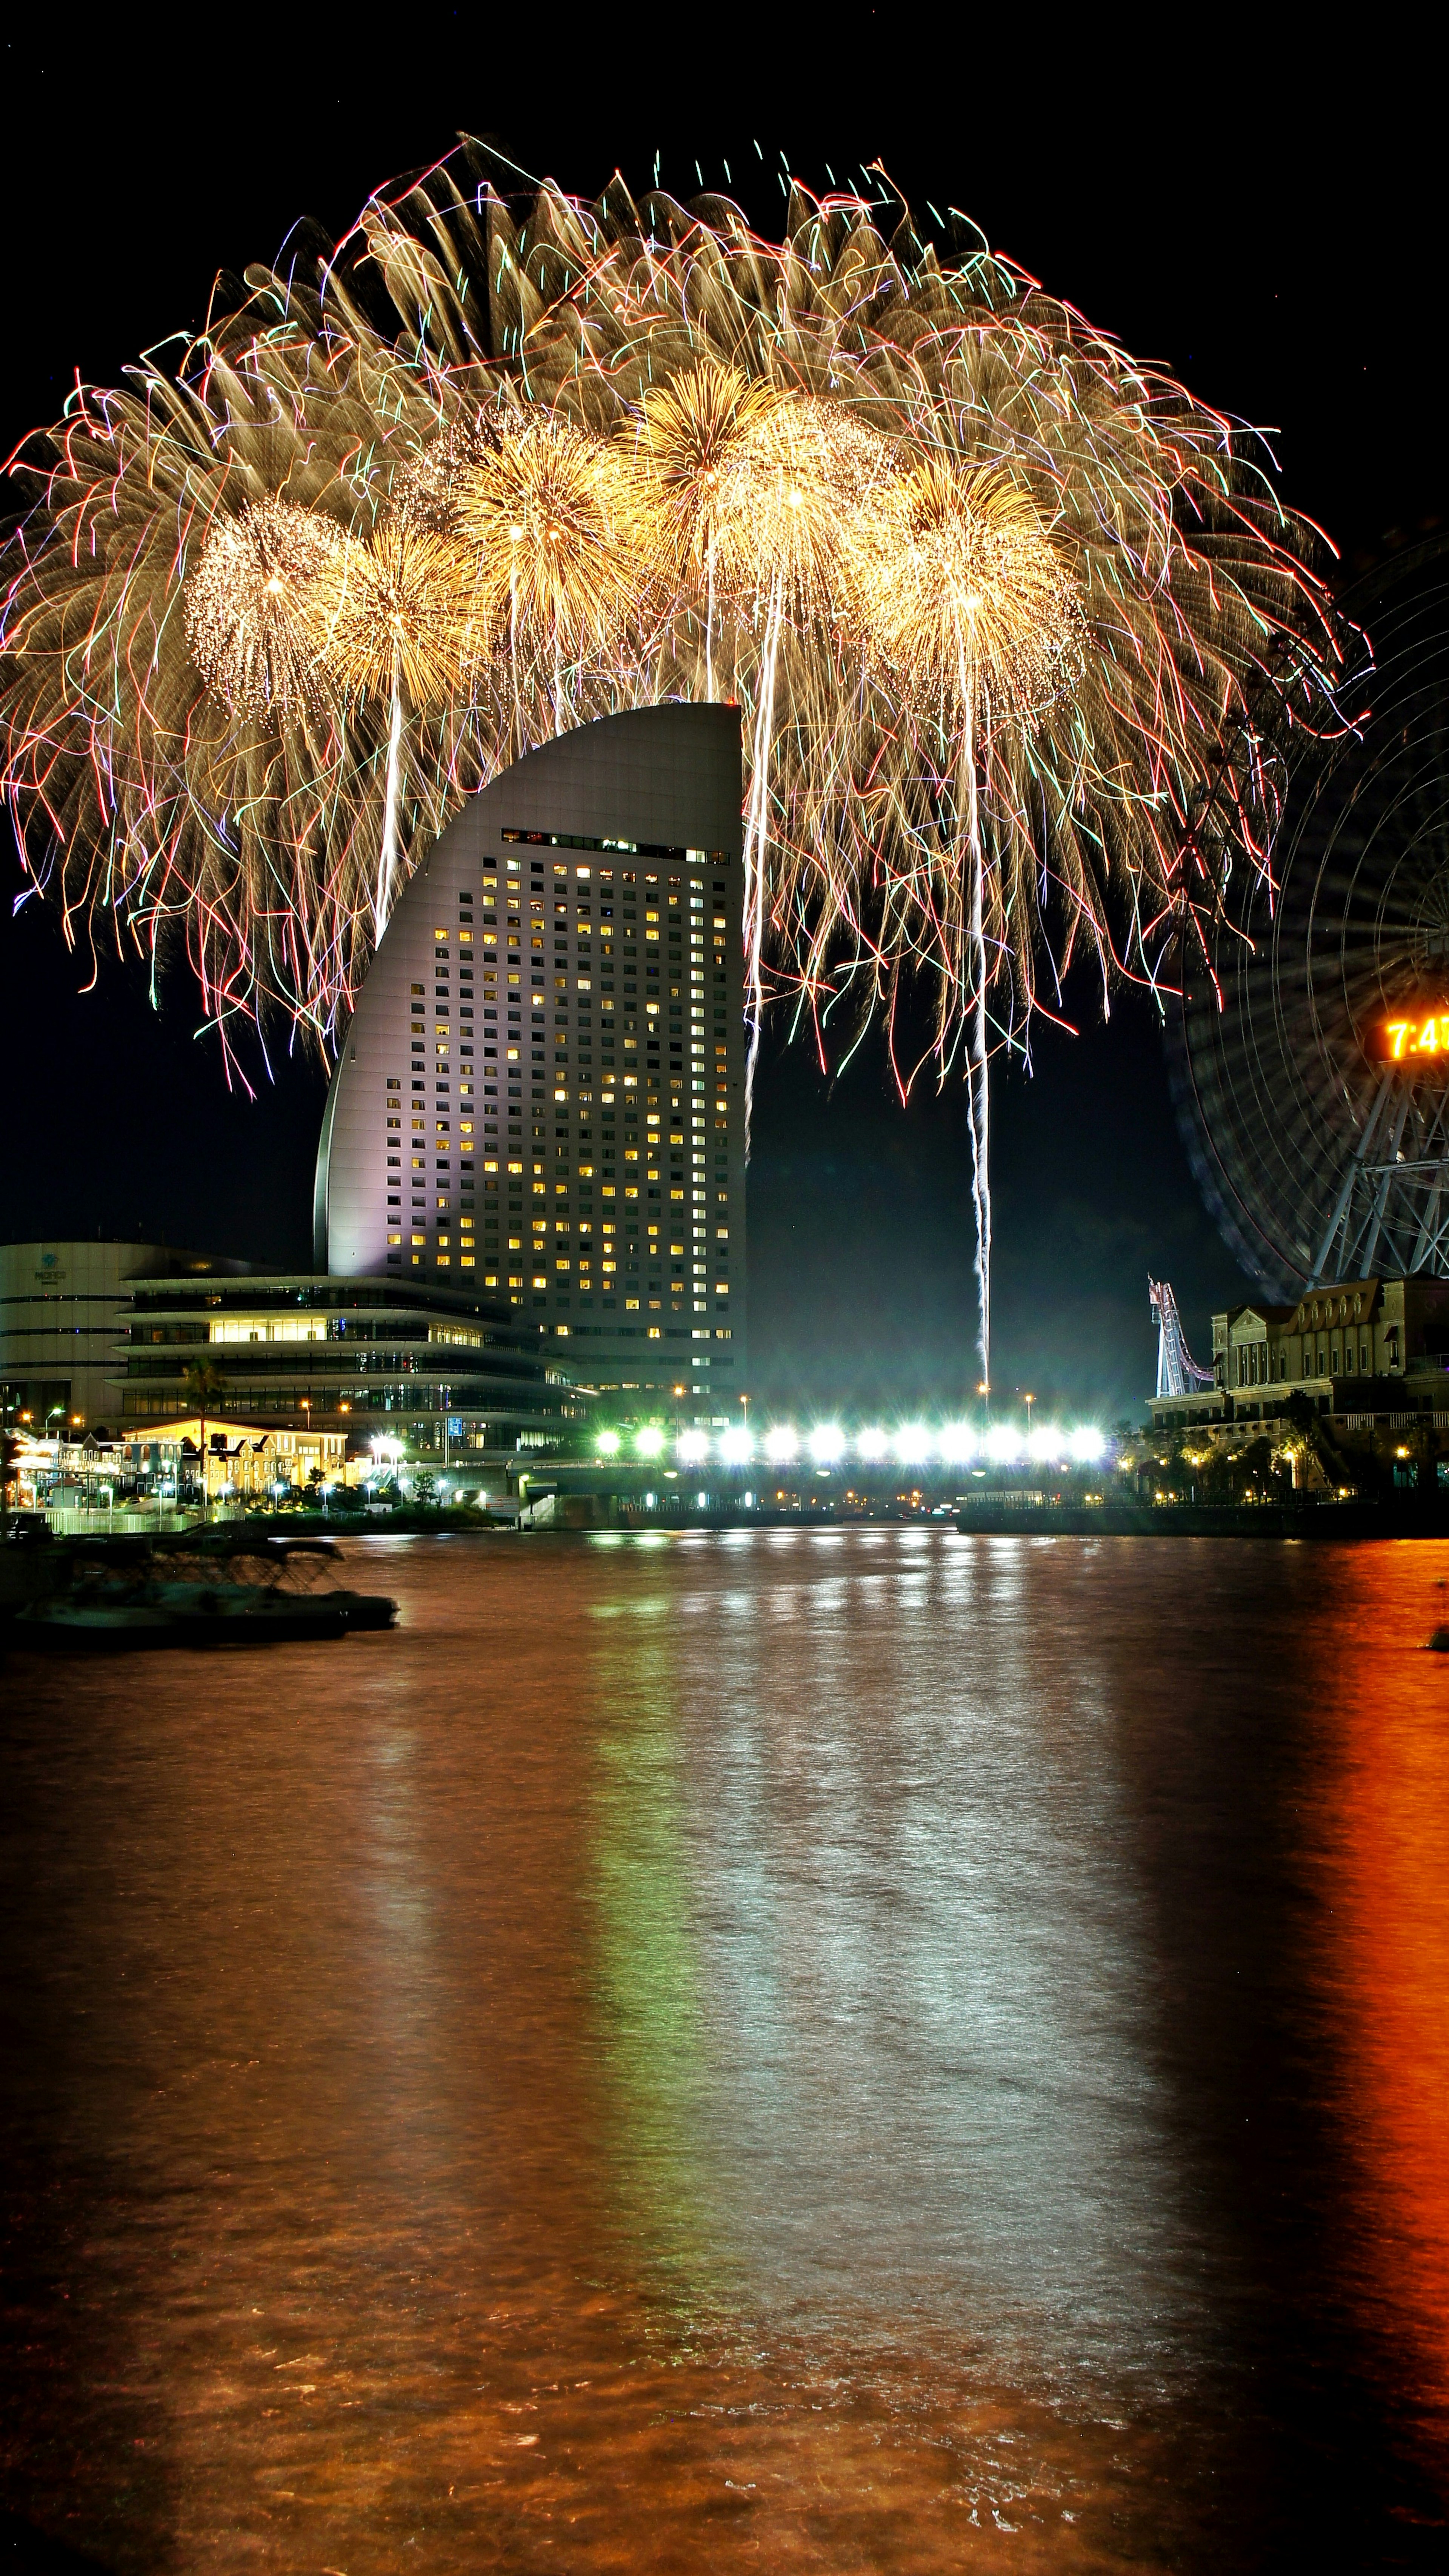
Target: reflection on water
(875, 1983)
(1385, 1887)
(837, 2050)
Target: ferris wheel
(1310, 1052)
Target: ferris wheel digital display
(1415, 1036)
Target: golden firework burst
(555, 569)
(250, 608)
(746, 482)
(963, 597)
(396, 609)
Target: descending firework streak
(1015, 625)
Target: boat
(222, 1589)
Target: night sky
(1270, 240)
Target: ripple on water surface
(835, 2050)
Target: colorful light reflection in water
(807, 2049)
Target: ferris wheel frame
(1318, 1161)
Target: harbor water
(793, 2049)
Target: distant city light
(913, 1444)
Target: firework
(1015, 626)
(395, 612)
(393, 616)
(555, 577)
(966, 607)
(963, 599)
(187, 802)
(744, 489)
(424, 491)
(250, 609)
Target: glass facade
(419, 1361)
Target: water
(805, 2050)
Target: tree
(205, 1384)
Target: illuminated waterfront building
(540, 1099)
(1355, 1347)
(436, 1368)
(61, 1315)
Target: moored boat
(231, 1591)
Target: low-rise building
(1355, 1347)
(434, 1369)
(61, 1306)
(165, 1465)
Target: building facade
(1357, 1346)
(436, 1369)
(165, 1464)
(61, 1310)
(541, 1094)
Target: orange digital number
(1398, 1031)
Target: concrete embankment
(1409, 1518)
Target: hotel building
(540, 1099)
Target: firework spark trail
(755, 846)
(658, 456)
(979, 1094)
(387, 861)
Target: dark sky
(1265, 229)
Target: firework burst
(251, 609)
(555, 576)
(394, 617)
(1015, 625)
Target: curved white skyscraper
(541, 1095)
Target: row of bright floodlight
(914, 1444)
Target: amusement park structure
(1177, 1371)
(1310, 1058)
